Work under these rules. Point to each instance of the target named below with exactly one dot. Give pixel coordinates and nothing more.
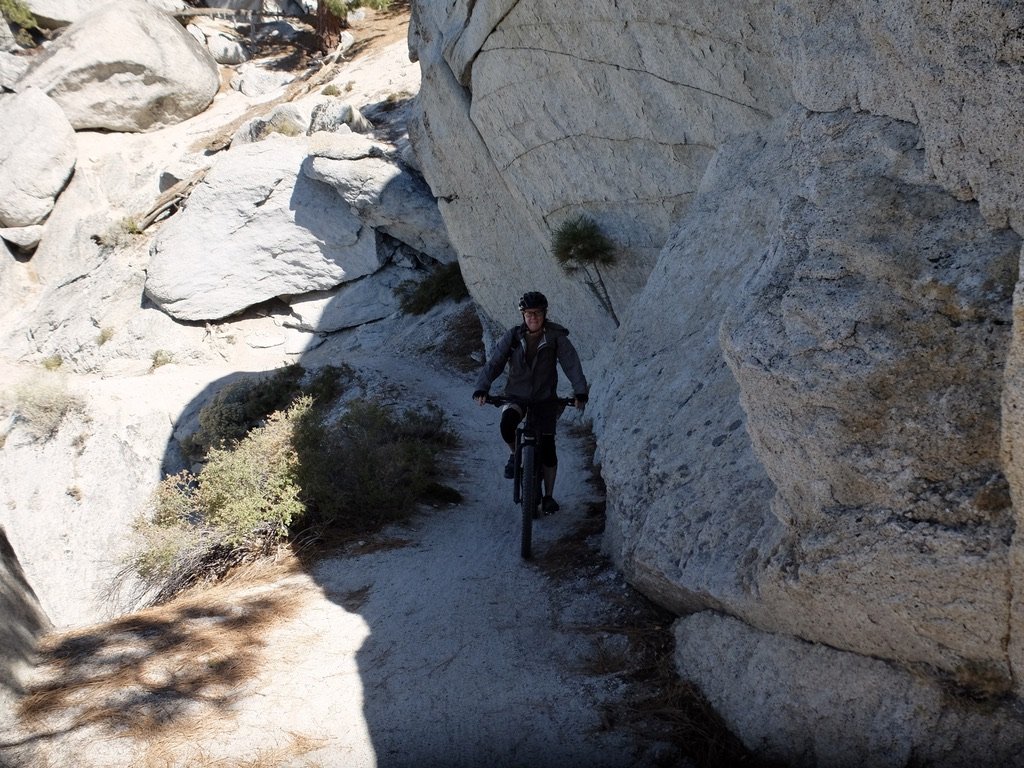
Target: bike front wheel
(529, 494)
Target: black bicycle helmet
(533, 300)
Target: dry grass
(178, 753)
(44, 403)
(160, 673)
(462, 342)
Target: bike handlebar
(506, 400)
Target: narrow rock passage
(431, 644)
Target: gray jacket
(539, 381)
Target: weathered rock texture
(578, 108)
(809, 419)
(256, 228)
(23, 622)
(59, 13)
(37, 156)
(126, 66)
(390, 198)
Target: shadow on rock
(25, 619)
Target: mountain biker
(530, 351)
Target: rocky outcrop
(276, 232)
(799, 419)
(565, 115)
(335, 116)
(77, 304)
(390, 198)
(870, 368)
(8, 43)
(869, 375)
(126, 66)
(12, 67)
(37, 156)
(272, 207)
(54, 14)
(816, 707)
(284, 120)
(351, 305)
(251, 80)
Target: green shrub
(160, 358)
(238, 507)
(579, 245)
(17, 12)
(241, 405)
(53, 362)
(106, 334)
(250, 490)
(579, 242)
(443, 283)
(297, 471)
(130, 226)
(331, 90)
(372, 466)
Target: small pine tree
(332, 17)
(579, 245)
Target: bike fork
(517, 463)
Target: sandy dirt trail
(432, 644)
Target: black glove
(480, 393)
(582, 399)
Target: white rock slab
(11, 67)
(126, 66)
(226, 50)
(381, 192)
(254, 229)
(52, 14)
(363, 301)
(251, 80)
(37, 155)
(26, 238)
(336, 116)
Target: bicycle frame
(526, 436)
(526, 481)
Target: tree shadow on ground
(147, 672)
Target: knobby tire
(530, 498)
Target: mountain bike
(526, 482)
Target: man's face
(534, 319)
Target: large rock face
(126, 66)
(869, 349)
(810, 417)
(578, 109)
